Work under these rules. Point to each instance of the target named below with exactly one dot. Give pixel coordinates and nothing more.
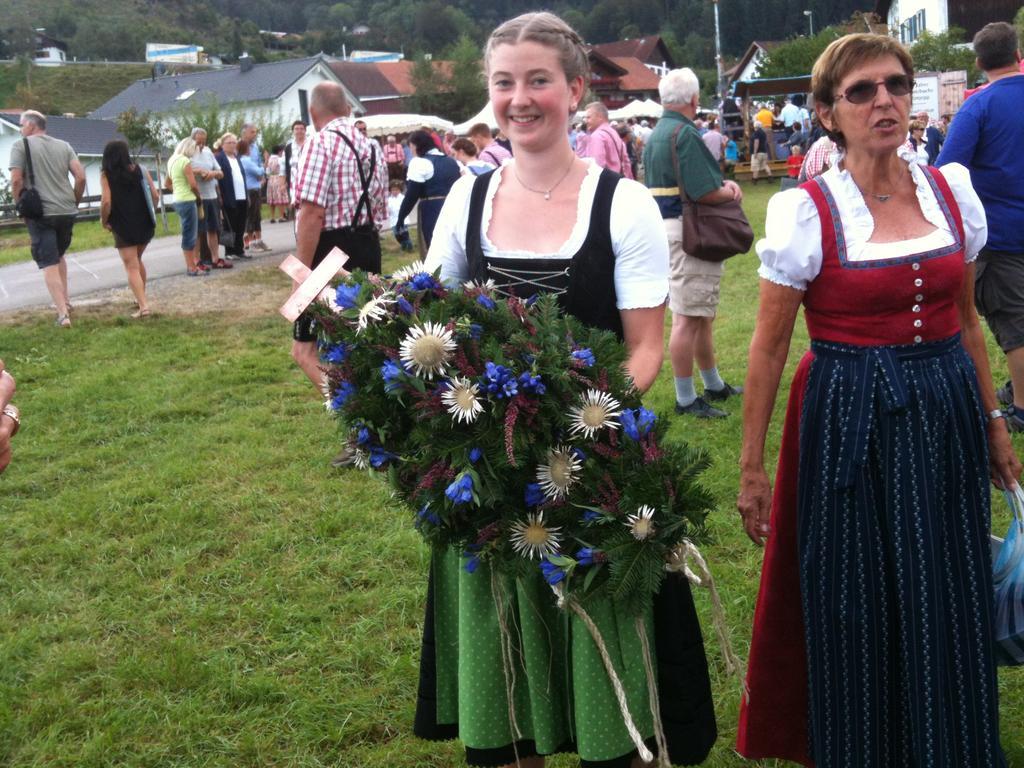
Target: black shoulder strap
(474, 248)
(364, 177)
(28, 163)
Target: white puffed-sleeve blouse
(791, 250)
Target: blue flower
(425, 515)
(534, 495)
(476, 330)
(628, 421)
(379, 457)
(404, 306)
(461, 489)
(472, 562)
(531, 383)
(485, 301)
(637, 423)
(346, 295)
(552, 573)
(363, 436)
(579, 454)
(498, 381)
(392, 374)
(588, 556)
(474, 455)
(533, 299)
(341, 395)
(585, 356)
(423, 281)
(337, 354)
(591, 516)
(645, 420)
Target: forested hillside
(119, 29)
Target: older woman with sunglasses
(877, 532)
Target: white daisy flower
(533, 539)
(599, 409)
(360, 459)
(373, 310)
(409, 271)
(462, 400)
(427, 348)
(559, 474)
(640, 524)
(488, 285)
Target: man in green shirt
(53, 161)
(673, 153)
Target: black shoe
(723, 393)
(701, 410)
(1005, 394)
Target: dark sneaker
(1005, 394)
(723, 393)
(701, 410)
(1014, 420)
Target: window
(912, 28)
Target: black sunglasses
(864, 91)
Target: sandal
(141, 313)
(197, 272)
(221, 264)
(64, 321)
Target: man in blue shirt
(986, 136)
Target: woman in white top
(548, 221)
(873, 641)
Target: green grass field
(185, 582)
(77, 88)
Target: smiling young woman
(549, 222)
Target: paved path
(21, 285)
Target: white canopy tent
(485, 115)
(637, 109)
(382, 125)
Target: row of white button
(918, 282)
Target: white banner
(926, 94)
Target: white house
(50, 52)
(907, 19)
(749, 65)
(274, 91)
(87, 137)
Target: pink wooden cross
(314, 283)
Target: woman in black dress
(127, 208)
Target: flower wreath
(513, 431)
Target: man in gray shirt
(207, 171)
(52, 161)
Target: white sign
(926, 94)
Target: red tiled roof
(364, 78)
(642, 48)
(399, 73)
(638, 77)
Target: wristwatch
(15, 415)
(996, 414)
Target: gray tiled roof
(228, 86)
(86, 136)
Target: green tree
(797, 57)
(466, 88)
(141, 131)
(1018, 22)
(429, 84)
(939, 53)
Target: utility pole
(718, 56)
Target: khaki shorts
(759, 162)
(693, 282)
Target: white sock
(711, 379)
(685, 393)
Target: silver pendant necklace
(546, 193)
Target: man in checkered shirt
(340, 193)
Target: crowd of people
(873, 635)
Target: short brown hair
(996, 46)
(846, 54)
(546, 29)
(917, 125)
(480, 129)
(464, 145)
